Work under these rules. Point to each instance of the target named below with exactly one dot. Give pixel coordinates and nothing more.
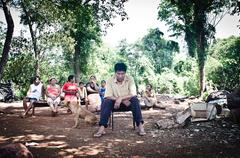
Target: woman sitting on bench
(53, 93)
(71, 91)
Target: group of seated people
(120, 93)
(90, 95)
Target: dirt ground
(51, 137)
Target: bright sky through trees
(143, 16)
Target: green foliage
(70, 31)
(86, 21)
(159, 50)
(197, 21)
(227, 74)
(20, 69)
(21, 65)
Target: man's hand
(126, 102)
(117, 103)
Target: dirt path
(49, 137)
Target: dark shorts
(83, 101)
(31, 100)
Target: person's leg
(148, 103)
(82, 101)
(29, 107)
(73, 99)
(136, 110)
(32, 101)
(91, 103)
(56, 103)
(106, 109)
(137, 114)
(25, 100)
(50, 103)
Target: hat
(52, 78)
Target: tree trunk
(34, 39)
(201, 41)
(201, 64)
(7, 44)
(76, 62)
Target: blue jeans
(108, 106)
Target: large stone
(203, 111)
(222, 94)
(6, 92)
(233, 99)
(181, 117)
(17, 150)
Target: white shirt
(35, 91)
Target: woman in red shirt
(71, 90)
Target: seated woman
(149, 97)
(35, 92)
(94, 100)
(70, 90)
(83, 94)
(53, 95)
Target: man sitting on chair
(120, 92)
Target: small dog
(80, 112)
(17, 150)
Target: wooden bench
(40, 103)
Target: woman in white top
(35, 92)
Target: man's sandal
(141, 133)
(99, 134)
(22, 116)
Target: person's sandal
(141, 133)
(22, 116)
(69, 111)
(99, 134)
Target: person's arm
(89, 89)
(96, 87)
(78, 93)
(126, 99)
(111, 98)
(154, 95)
(65, 90)
(85, 93)
(47, 93)
(109, 91)
(144, 94)
(59, 91)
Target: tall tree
(10, 28)
(160, 50)
(197, 20)
(87, 20)
(41, 18)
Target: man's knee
(134, 99)
(107, 102)
(107, 106)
